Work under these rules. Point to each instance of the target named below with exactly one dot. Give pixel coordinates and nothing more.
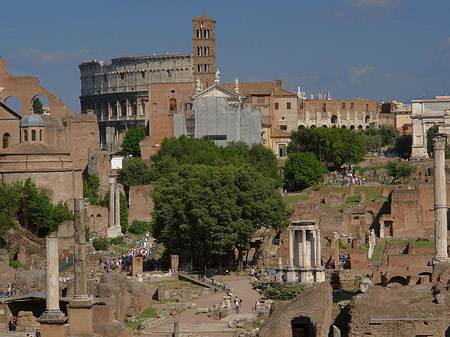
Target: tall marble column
(112, 179)
(304, 252)
(53, 319)
(52, 279)
(80, 287)
(318, 250)
(117, 208)
(314, 245)
(291, 248)
(440, 199)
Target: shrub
(139, 227)
(100, 243)
(282, 293)
(117, 241)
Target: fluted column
(440, 199)
(291, 248)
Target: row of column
(114, 228)
(108, 110)
(309, 246)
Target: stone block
(80, 318)
(136, 266)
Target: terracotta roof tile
(284, 92)
(31, 148)
(253, 88)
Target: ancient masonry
(304, 265)
(146, 91)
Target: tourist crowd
(6, 291)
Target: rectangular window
(324, 107)
(288, 105)
(351, 105)
(188, 106)
(343, 105)
(277, 105)
(283, 127)
(282, 150)
(217, 137)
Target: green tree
(403, 145)
(400, 170)
(37, 106)
(204, 213)
(334, 147)
(431, 131)
(135, 172)
(303, 170)
(388, 135)
(130, 144)
(9, 205)
(90, 189)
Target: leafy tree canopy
(205, 212)
(403, 145)
(37, 106)
(130, 144)
(334, 147)
(23, 203)
(303, 170)
(400, 170)
(184, 150)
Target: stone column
(127, 107)
(440, 199)
(118, 109)
(112, 179)
(305, 263)
(52, 278)
(109, 110)
(314, 245)
(381, 229)
(117, 209)
(80, 309)
(291, 249)
(80, 287)
(53, 319)
(318, 249)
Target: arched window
(206, 67)
(367, 119)
(6, 139)
(33, 135)
(207, 34)
(172, 104)
(25, 135)
(199, 51)
(40, 135)
(333, 119)
(207, 51)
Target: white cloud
(42, 57)
(356, 72)
(373, 3)
(363, 10)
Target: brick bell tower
(204, 44)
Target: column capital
(439, 141)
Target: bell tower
(204, 53)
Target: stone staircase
(23, 238)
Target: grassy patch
(292, 199)
(424, 243)
(378, 251)
(149, 313)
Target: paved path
(201, 324)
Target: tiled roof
(203, 17)
(252, 88)
(284, 92)
(31, 148)
(277, 133)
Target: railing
(65, 263)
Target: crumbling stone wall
(314, 304)
(141, 203)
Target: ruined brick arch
(12, 102)
(398, 279)
(25, 88)
(43, 102)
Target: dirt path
(201, 324)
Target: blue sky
(376, 49)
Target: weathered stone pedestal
(137, 265)
(52, 324)
(80, 317)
